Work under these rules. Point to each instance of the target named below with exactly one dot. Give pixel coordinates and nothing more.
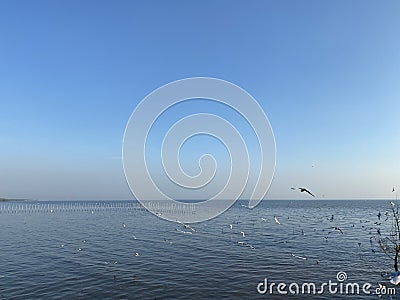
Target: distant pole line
(82, 206)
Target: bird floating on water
(182, 231)
(247, 206)
(185, 225)
(299, 257)
(246, 244)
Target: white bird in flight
(395, 278)
(276, 220)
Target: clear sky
(326, 73)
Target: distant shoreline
(7, 199)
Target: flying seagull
(302, 189)
(395, 278)
(337, 228)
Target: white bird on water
(299, 257)
(186, 226)
(248, 206)
(246, 244)
(242, 232)
(181, 231)
(230, 227)
(276, 220)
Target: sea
(311, 249)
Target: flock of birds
(189, 230)
(329, 223)
(373, 230)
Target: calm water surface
(126, 253)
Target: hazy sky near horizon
(325, 72)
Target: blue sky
(325, 72)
